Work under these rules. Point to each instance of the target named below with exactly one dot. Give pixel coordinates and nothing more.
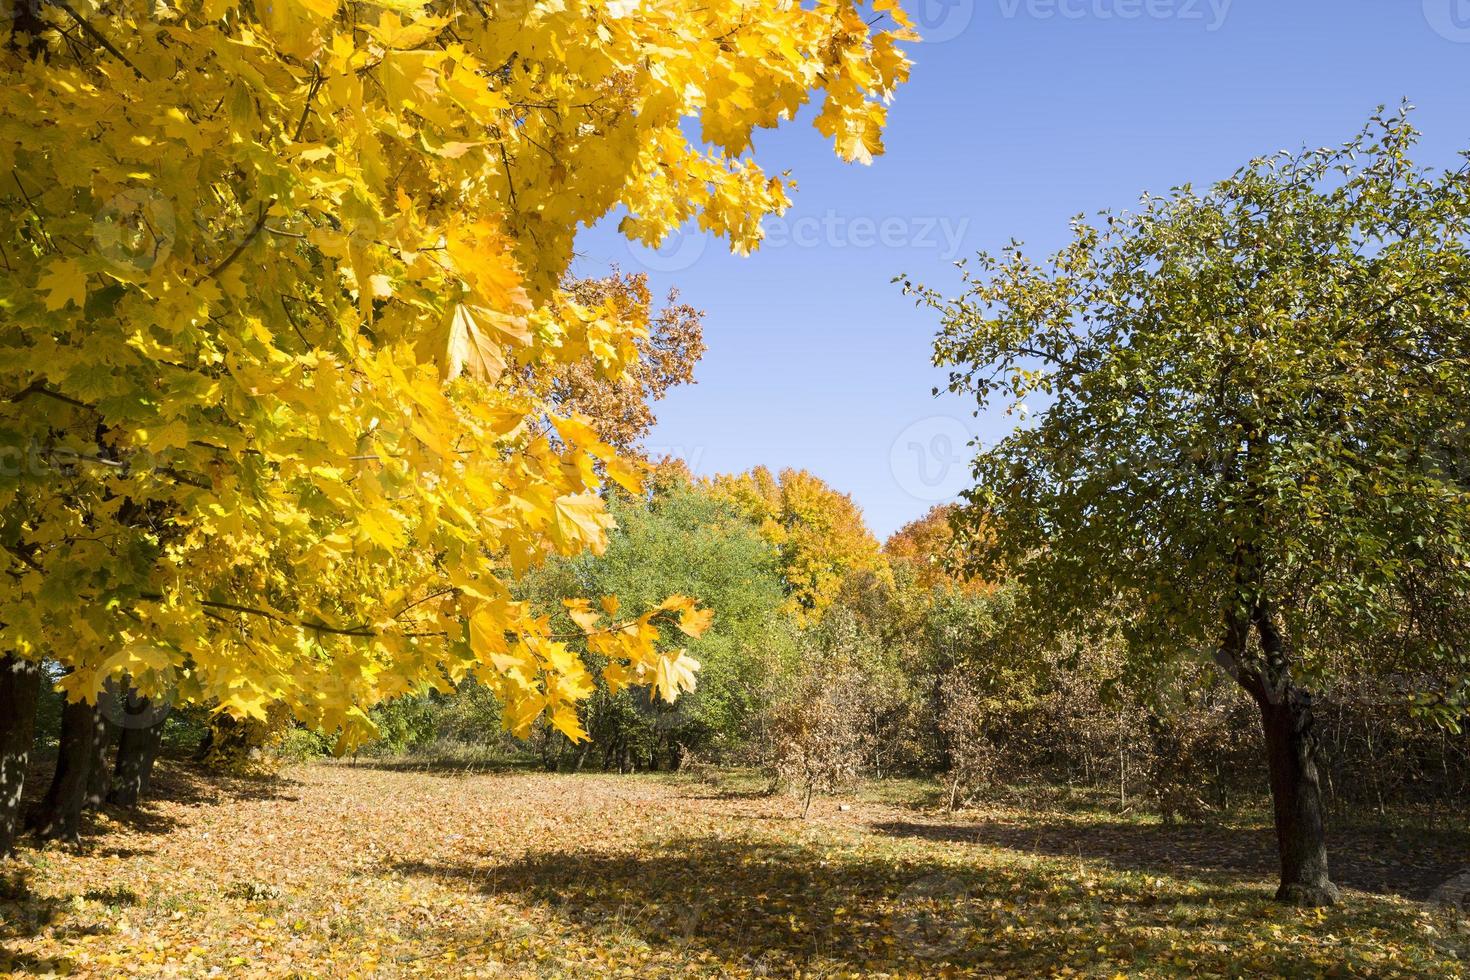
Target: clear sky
(1019, 114)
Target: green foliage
(684, 542)
(1253, 412)
(405, 724)
(300, 744)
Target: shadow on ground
(441, 765)
(782, 909)
(24, 914)
(1380, 861)
(178, 782)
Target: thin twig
(97, 36)
(316, 84)
(40, 222)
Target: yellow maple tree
(265, 268)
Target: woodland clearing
(387, 868)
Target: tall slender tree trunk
(59, 814)
(20, 687)
(136, 749)
(99, 773)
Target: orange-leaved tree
(935, 552)
(619, 408)
(818, 532)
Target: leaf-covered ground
(342, 870)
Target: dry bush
(817, 733)
(962, 720)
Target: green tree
(694, 543)
(1250, 404)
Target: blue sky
(1019, 114)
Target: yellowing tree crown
(265, 266)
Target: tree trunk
(1296, 798)
(1296, 792)
(59, 814)
(20, 687)
(136, 749)
(99, 773)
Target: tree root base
(1309, 896)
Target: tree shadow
(25, 914)
(728, 795)
(1377, 860)
(783, 909)
(448, 766)
(175, 783)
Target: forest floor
(334, 869)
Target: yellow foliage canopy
(266, 268)
(818, 532)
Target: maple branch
(177, 476)
(363, 632)
(316, 84)
(270, 615)
(24, 558)
(291, 319)
(510, 183)
(250, 236)
(40, 221)
(451, 590)
(97, 36)
(38, 387)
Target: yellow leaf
(674, 674)
(694, 622)
(582, 517)
(383, 527)
(564, 719)
(581, 613)
(626, 473)
(469, 349)
(64, 282)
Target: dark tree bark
(99, 773)
(1296, 798)
(1296, 791)
(20, 687)
(59, 814)
(1291, 744)
(136, 749)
